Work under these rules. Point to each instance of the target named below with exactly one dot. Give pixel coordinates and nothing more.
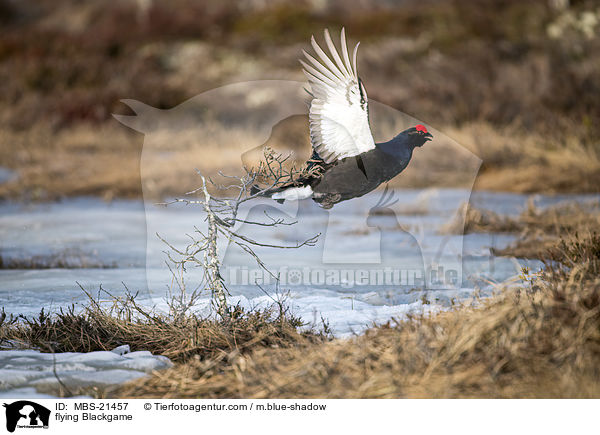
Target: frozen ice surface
(115, 245)
(23, 371)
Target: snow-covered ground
(356, 275)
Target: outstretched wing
(339, 117)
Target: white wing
(339, 118)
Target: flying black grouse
(346, 162)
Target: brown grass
(490, 75)
(539, 341)
(526, 161)
(81, 160)
(105, 161)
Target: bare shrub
(221, 218)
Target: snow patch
(23, 372)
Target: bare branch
(221, 215)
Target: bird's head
(418, 135)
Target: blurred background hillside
(518, 83)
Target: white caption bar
(290, 416)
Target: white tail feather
(294, 193)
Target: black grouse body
(346, 162)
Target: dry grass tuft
(471, 220)
(539, 229)
(555, 232)
(100, 327)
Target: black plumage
(356, 176)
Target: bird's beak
(428, 136)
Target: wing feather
(320, 67)
(325, 59)
(314, 75)
(354, 55)
(345, 51)
(339, 120)
(334, 53)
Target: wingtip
(354, 59)
(314, 43)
